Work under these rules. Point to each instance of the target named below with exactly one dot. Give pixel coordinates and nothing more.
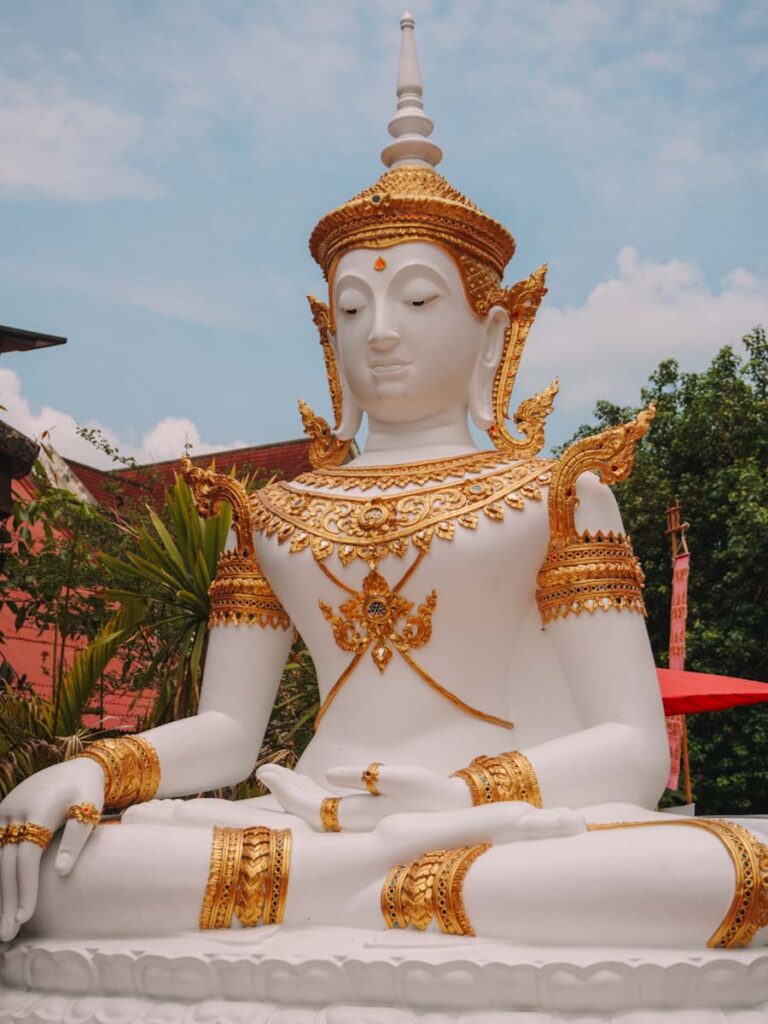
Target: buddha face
(409, 345)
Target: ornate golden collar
(371, 528)
(385, 477)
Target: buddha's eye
(419, 303)
(349, 312)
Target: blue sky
(163, 163)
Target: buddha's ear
(480, 396)
(351, 413)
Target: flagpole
(681, 557)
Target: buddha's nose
(383, 336)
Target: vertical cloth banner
(678, 615)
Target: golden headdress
(412, 202)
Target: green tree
(709, 445)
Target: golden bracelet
(507, 776)
(221, 888)
(240, 594)
(329, 814)
(431, 886)
(86, 814)
(748, 912)
(131, 770)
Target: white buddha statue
(491, 747)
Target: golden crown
(412, 203)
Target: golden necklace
(372, 528)
(384, 477)
(378, 618)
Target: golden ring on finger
(28, 833)
(329, 814)
(86, 814)
(2, 836)
(371, 776)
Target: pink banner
(677, 616)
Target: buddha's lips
(392, 366)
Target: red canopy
(686, 693)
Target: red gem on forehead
(380, 263)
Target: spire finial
(410, 127)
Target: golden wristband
(131, 770)
(507, 776)
(329, 814)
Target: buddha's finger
(9, 887)
(28, 876)
(76, 834)
(388, 780)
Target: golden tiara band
(370, 778)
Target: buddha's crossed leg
(646, 886)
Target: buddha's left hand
(402, 788)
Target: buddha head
(417, 322)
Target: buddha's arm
(590, 598)
(248, 645)
(219, 745)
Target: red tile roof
(149, 482)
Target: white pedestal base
(345, 976)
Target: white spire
(410, 127)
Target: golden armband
(590, 572)
(131, 770)
(248, 877)
(240, 594)
(431, 886)
(508, 776)
(584, 572)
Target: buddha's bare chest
(394, 568)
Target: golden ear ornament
(325, 449)
(521, 302)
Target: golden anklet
(431, 886)
(748, 911)
(248, 876)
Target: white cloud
(650, 311)
(166, 440)
(61, 146)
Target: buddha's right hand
(43, 799)
(402, 788)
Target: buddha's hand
(401, 788)
(43, 799)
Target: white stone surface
(348, 976)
